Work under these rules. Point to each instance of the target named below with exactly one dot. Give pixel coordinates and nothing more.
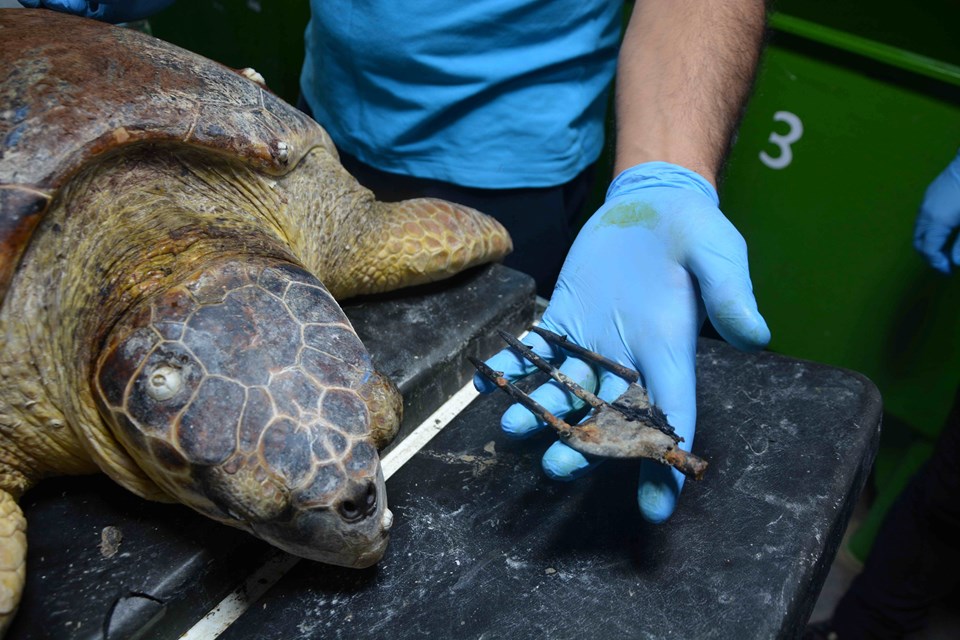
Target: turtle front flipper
(13, 557)
(417, 241)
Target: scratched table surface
(103, 563)
(485, 546)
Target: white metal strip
(430, 427)
(231, 607)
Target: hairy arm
(684, 73)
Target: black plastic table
(484, 545)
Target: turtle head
(244, 393)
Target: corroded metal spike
(552, 371)
(564, 342)
(496, 377)
(651, 416)
(630, 427)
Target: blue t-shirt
(481, 93)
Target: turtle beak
(374, 555)
(350, 531)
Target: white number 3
(783, 160)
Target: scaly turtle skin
(172, 238)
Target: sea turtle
(173, 238)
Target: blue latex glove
(939, 219)
(635, 287)
(109, 11)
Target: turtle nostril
(371, 499)
(349, 510)
(361, 504)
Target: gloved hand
(109, 11)
(939, 218)
(635, 287)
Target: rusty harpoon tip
(630, 427)
(563, 342)
(686, 463)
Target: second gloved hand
(938, 220)
(109, 11)
(636, 286)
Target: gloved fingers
(513, 365)
(612, 386)
(720, 267)
(670, 374)
(519, 422)
(733, 311)
(672, 386)
(955, 253)
(931, 241)
(658, 491)
(112, 12)
(68, 6)
(560, 462)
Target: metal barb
(496, 377)
(564, 342)
(654, 417)
(552, 371)
(630, 427)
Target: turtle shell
(73, 89)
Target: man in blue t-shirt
(499, 104)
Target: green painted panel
(895, 56)
(925, 28)
(830, 232)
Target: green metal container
(264, 34)
(856, 110)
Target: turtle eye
(164, 382)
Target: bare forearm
(685, 70)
